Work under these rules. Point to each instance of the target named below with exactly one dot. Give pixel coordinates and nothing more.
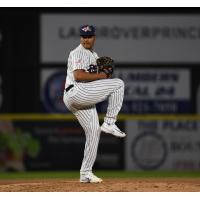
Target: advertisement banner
(52, 145)
(127, 38)
(162, 145)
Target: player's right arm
(79, 62)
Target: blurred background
(157, 54)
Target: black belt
(68, 88)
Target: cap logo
(86, 29)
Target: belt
(68, 88)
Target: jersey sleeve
(96, 55)
(79, 60)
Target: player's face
(88, 41)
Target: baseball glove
(105, 64)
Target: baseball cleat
(112, 129)
(90, 178)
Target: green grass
(104, 174)
(143, 174)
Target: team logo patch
(86, 29)
(78, 61)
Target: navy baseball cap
(87, 30)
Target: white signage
(127, 38)
(162, 145)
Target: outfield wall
(158, 61)
(56, 142)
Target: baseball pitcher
(89, 82)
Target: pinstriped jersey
(79, 58)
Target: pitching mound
(109, 185)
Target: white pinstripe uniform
(81, 100)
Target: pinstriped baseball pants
(81, 101)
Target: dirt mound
(108, 185)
